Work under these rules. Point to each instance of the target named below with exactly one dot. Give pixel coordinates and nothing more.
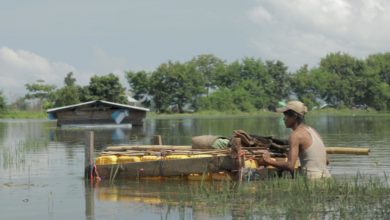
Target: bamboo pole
(329, 150)
(347, 150)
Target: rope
(96, 173)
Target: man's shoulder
(302, 132)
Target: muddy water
(41, 166)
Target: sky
(46, 39)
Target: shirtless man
(305, 144)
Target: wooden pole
(238, 160)
(88, 174)
(89, 201)
(157, 140)
(88, 153)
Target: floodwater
(42, 167)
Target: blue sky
(44, 39)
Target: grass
(15, 154)
(17, 114)
(357, 197)
(214, 114)
(360, 197)
(12, 157)
(211, 114)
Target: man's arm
(292, 156)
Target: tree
(3, 105)
(380, 64)
(313, 85)
(175, 85)
(349, 72)
(139, 83)
(377, 81)
(70, 80)
(67, 95)
(220, 100)
(107, 88)
(230, 76)
(279, 87)
(208, 66)
(242, 99)
(85, 94)
(40, 91)
(256, 81)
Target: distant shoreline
(154, 115)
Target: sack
(203, 141)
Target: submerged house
(98, 113)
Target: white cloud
(260, 14)
(303, 31)
(18, 67)
(106, 63)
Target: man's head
(294, 113)
(295, 106)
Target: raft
(159, 162)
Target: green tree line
(207, 82)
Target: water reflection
(18, 140)
(168, 198)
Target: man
(304, 142)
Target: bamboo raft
(165, 161)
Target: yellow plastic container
(150, 158)
(108, 159)
(128, 159)
(221, 176)
(175, 177)
(176, 157)
(199, 176)
(152, 178)
(110, 194)
(151, 200)
(251, 164)
(201, 156)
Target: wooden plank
(147, 147)
(166, 168)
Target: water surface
(42, 166)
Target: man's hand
(266, 156)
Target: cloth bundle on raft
(247, 140)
